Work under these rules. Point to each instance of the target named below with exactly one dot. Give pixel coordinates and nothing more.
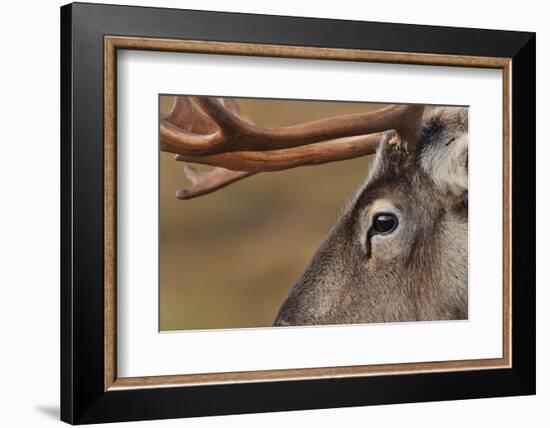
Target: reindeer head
(399, 251)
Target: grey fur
(419, 272)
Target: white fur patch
(447, 164)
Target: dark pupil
(385, 223)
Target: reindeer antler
(218, 134)
(206, 182)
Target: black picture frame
(83, 396)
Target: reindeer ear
(445, 152)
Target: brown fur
(419, 272)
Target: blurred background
(229, 258)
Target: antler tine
(189, 130)
(209, 181)
(185, 116)
(187, 123)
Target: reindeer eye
(384, 223)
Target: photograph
(271, 213)
(373, 229)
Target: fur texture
(418, 272)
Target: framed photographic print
(265, 213)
